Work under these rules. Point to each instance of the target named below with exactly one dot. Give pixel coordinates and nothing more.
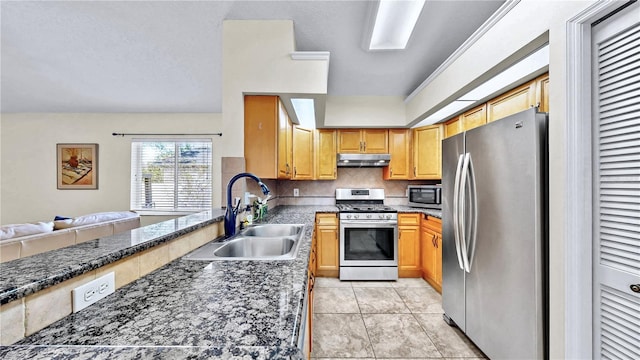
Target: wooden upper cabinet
(303, 153)
(370, 141)
(261, 135)
(514, 101)
(542, 84)
(399, 149)
(474, 117)
(427, 152)
(285, 131)
(326, 154)
(375, 141)
(452, 127)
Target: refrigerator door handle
(456, 212)
(463, 212)
(473, 226)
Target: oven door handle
(370, 223)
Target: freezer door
(453, 276)
(505, 284)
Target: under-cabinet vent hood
(363, 160)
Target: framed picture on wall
(77, 166)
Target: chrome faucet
(232, 211)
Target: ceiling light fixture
(394, 23)
(305, 112)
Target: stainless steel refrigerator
(494, 255)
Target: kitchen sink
(254, 247)
(261, 242)
(273, 230)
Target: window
(171, 175)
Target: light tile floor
(384, 320)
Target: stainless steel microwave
(425, 196)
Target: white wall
(527, 21)
(256, 59)
(365, 111)
(28, 158)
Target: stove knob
(368, 216)
(355, 216)
(381, 216)
(348, 216)
(388, 216)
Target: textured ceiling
(165, 56)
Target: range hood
(363, 160)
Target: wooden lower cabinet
(327, 246)
(311, 279)
(409, 245)
(431, 251)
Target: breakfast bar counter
(191, 309)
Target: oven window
(369, 244)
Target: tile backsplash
(322, 192)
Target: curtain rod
(151, 134)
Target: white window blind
(171, 175)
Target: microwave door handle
(456, 212)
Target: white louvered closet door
(616, 155)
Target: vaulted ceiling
(165, 56)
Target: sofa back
(24, 246)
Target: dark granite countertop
(195, 309)
(409, 209)
(25, 276)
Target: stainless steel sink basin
(273, 230)
(255, 247)
(255, 243)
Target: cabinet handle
(437, 237)
(414, 171)
(360, 146)
(390, 171)
(365, 147)
(295, 171)
(433, 240)
(288, 169)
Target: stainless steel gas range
(368, 235)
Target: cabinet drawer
(408, 219)
(433, 224)
(327, 219)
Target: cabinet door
(375, 141)
(326, 155)
(425, 240)
(543, 92)
(327, 261)
(349, 141)
(398, 168)
(327, 246)
(261, 134)
(303, 151)
(452, 127)
(516, 100)
(408, 251)
(438, 261)
(284, 143)
(427, 152)
(474, 117)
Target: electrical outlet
(296, 192)
(94, 290)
